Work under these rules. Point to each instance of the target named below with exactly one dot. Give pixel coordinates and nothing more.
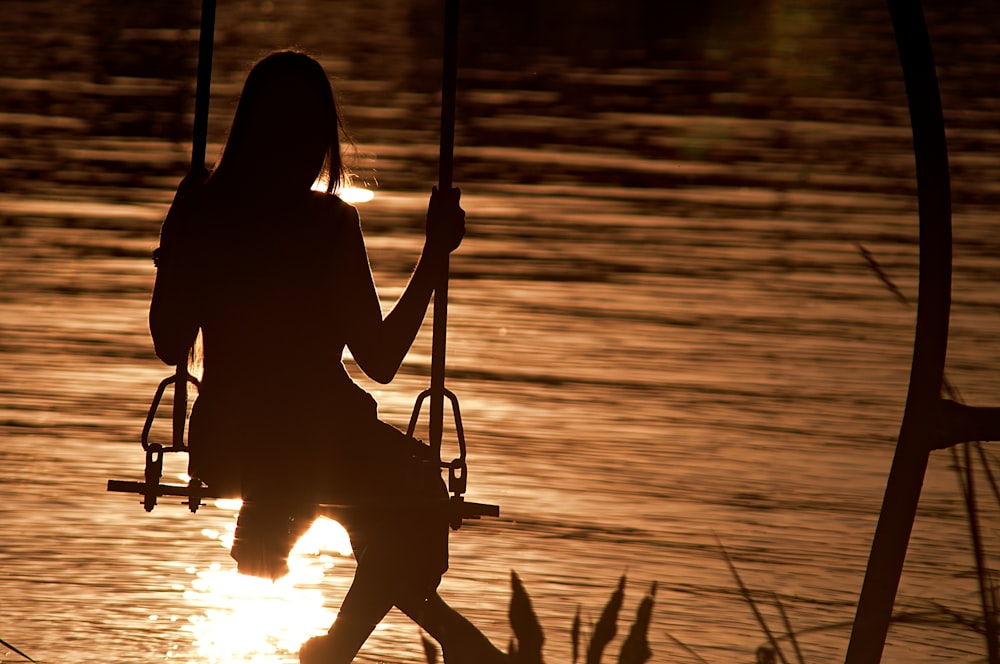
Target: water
(661, 331)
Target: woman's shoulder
(333, 218)
(332, 206)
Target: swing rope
(457, 468)
(446, 161)
(199, 144)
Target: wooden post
(923, 401)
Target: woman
(275, 276)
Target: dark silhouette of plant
(528, 637)
(636, 649)
(526, 644)
(607, 626)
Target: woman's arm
(171, 317)
(379, 345)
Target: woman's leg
(397, 558)
(401, 555)
(365, 605)
(461, 641)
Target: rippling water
(661, 331)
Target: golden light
(346, 191)
(242, 618)
(354, 195)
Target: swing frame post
(921, 417)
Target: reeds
(964, 457)
(765, 654)
(528, 637)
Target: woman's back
(269, 299)
(269, 288)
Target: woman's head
(286, 130)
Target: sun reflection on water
(243, 618)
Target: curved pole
(923, 401)
(199, 144)
(449, 77)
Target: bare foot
(315, 651)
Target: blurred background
(662, 334)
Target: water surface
(661, 332)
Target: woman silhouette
(276, 277)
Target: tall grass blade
(753, 605)
(527, 630)
(575, 634)
(788, 629)
(966, 480)
(994, 594)
(636, 649)
(13, 649)
(880, 273)
(607, 626)
(989, 472)
(683, 646)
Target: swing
(196, 492)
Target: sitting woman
(276, 277)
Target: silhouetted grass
(528, 637)
(964, 464)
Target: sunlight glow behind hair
(242, 618)
(346, 191)
(355, 195)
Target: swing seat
(196, 492)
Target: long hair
(286, 131)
